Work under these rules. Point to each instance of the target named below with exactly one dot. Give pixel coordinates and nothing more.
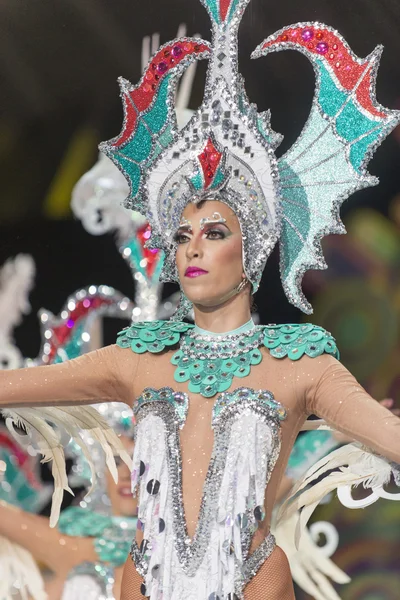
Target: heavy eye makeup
(210, 232)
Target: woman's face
(209, 254)
(122, 502)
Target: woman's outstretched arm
(333, 394)
(106, 375)
(58, 552)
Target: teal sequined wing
(152, 336)
(328, 161)
(295, 340)
(149, 116)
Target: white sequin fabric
(215, 564)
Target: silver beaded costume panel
(215, 563)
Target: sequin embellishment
(210, 363)
(296, 340)
(152, 336)
(246, 426)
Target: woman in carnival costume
(90, 562)
(93, 539)
(218, 415)
(87, 551)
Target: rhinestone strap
(207, 347)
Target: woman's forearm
(94, 377)
(338, 398)
(57, 551)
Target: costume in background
(226, 152)
(207, 468)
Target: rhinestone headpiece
(226, 151)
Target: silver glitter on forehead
(215, 219)
(185, 224)
(226, 151)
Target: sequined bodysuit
(183, 437)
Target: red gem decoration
(223, 8)
(284, 38)
(209, 160)
(177, 51)
(62, 332)
(138, 98)
(152, 257)
(322, 48)
(348, 71)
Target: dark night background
(59, 62)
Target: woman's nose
(193, 249)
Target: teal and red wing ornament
(227, 149)
(329, 160)
(149, 115)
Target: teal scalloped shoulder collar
(296, 340)
(289, 340)
(152, 336)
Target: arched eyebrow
(185, 224)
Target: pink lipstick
(195, 272)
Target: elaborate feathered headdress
(226, 151)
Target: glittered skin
(319, 385)
(210, 363)
(291, 355)
(226, 151)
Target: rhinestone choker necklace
(209, 362)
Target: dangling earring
(242, 284)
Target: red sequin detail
(209, 160)
(349, 71)
(284, 38)
(152, 257)
(63, 332)
(23, 459)
(319, 35)
(223, 8)
(140, 98)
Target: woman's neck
(225, 318)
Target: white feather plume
(16, 281)
(46, 439)
(17, 564)
(350, 465)
(311, 569)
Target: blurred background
(59, 63)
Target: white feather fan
(348, 466)
(311, 568)
(46, 440)
(18, 565)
